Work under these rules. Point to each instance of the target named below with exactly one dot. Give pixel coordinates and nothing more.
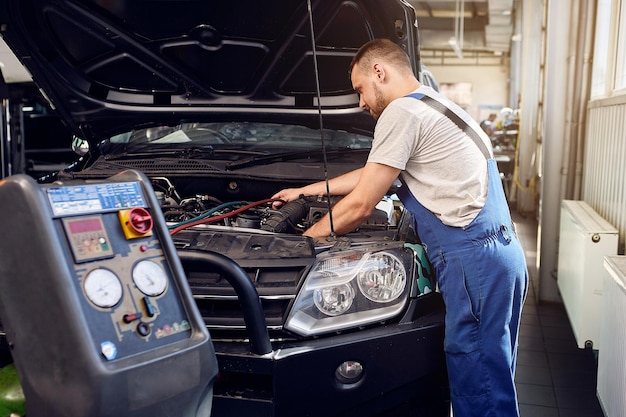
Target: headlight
(352, 288)
(334, 300)
(383, 278)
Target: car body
(428, 78)
(222, 104)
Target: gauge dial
(103, 288)
(150, 278)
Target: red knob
(140, 220)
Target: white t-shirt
(442, 166)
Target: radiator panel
(585, 239)
(611, 382)
(604, 171)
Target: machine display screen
(92, 198)
(83, 226)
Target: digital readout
(85, 225)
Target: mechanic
(451, 183)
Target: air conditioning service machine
(96, 307)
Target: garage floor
(554, 377)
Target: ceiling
(486, 29)
(484, 33)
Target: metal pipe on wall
(579, 65)
(568, 105)
(585, 88)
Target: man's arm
(373, 183)
(340, 185)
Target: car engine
(293, 217)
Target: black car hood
(110, 66)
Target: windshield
(240, 135)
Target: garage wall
(489, 86)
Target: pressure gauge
(103, 288)
(150, 278)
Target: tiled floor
(554, 378)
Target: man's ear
(379, 72)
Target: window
(620, 70)
(601, 50)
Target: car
(221, 105)
(426, 77)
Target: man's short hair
(384, 49)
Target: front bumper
(403, 362)
(403, 365)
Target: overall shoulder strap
(462, 124)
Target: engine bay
(291, 218)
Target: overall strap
(462, 124)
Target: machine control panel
(119, 267)
(93, 299)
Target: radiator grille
(220, 307)
(274, 263)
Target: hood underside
(109, 66)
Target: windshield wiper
(171, 150)
(283, 156)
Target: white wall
(490, 86)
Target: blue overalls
(482, 276)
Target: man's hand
(373, 182)
(286, 195)
(340, 185)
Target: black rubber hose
(253, 314)
(288, 215)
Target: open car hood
(109, 66)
